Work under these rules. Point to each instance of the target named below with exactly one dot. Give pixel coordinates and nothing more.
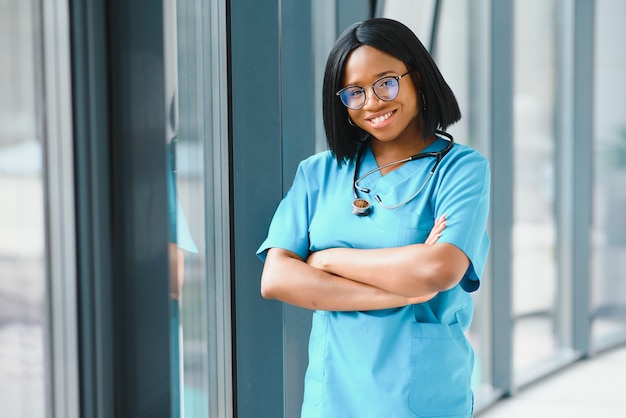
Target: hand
(435, 233)
(432, 239)
(318, 259)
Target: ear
(417, 79)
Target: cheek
(412, 104)
(413, 112)
(363, 125)
(355, 120)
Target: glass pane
(185, 149)
(23, 371)
(196, 149)
(608, 285)
(535, 286)
(461, 53)
(417, 15)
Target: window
(608, 239)
(536, 290)
(197, 146)
(23, 333)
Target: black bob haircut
(393, 38)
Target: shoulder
(466, 155)
(465, 151)
(322, 158)
(314, 169)
(319, 163)
(464, 166)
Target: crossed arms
(349, 279)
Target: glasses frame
(394, 77)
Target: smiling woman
(361, 57)
(390, 288)
(375, 114)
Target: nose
(371, 99)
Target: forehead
(366, 64)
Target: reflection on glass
(192, 119)
(535, 288)
(23, 371)
(181, 246)
(608, 286)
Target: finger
(440, 224)
(433, 237)
(435, 233)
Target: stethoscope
(362, 207)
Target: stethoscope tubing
(361, 206)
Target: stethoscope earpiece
(361, 207)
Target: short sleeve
(464, 198)
(178, 227)
(289, 228)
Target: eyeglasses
(385, 88)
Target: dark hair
(394, 38)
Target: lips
(378, 120)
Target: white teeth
(381, 118)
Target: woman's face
(386, 121)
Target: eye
(387, 83)
(354, 92)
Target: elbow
(268, 288)
(270, 278)
(434, 282)
(446, 267)
(440, 276)
(447, 281)
(445, 277)
(265, 292)
(274, 283)
(273, 286)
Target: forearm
(411, 271)
(177, 270)
(291, 280)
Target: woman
(384, 236)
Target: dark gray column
(352, 11)
(93, 213)
(139, 223)
(584, 35)
(256, 190)
(501, 219)
(298, 100)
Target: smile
(381, 118)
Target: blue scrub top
(413, 361)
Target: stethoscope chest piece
(361, 207)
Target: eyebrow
(378, 76)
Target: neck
(386, 152)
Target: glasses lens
(386, 88)
(353, 97)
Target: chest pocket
(414, 228)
